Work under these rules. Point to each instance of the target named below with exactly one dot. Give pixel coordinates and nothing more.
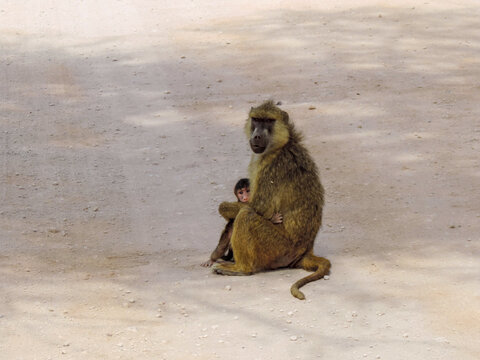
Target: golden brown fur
(283, 179)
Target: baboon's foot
(207, 263)
(230, 269)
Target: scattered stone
(228, 288)
(312, 108)
(326, 277)
(293, 338)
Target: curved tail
(310, 263)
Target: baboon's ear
(285, 117)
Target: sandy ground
(121, 132)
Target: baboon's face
(261, 133)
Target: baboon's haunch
(283, 179)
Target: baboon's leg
(258, 245)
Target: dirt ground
(121, 130)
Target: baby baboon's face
(243, 195)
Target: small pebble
(228, 288)
(326, 277)
(293, 338)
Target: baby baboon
(223, 250)
(283, 178)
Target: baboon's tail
(310, 263)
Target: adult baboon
(283, 179)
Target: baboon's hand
(277, 218)
(207, 263)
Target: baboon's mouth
(257, 149)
